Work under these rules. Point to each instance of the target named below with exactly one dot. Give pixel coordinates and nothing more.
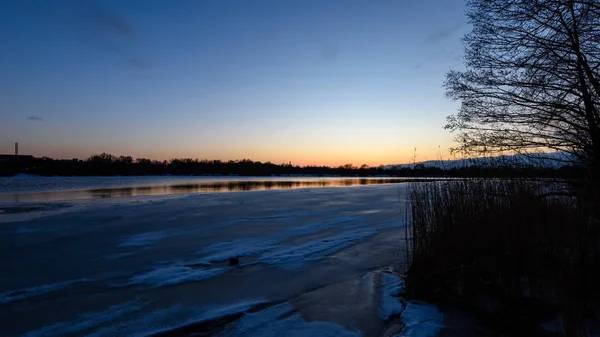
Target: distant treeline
(109, 165)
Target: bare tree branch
(532, 82)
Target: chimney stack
(16, 148)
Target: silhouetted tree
(106, 164)
(532, 79)
(126, 160)
(103, 158)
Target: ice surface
(214, 312)
(297, 257)
(86, 321)
(122, 255)
(241, 247)
(273, 252)
(21, 294)
(171, 275)
(272, 322)
(25, 230)
(143, 239)
(317, 226)
(286, 257)
(159, 246)
(177, 316)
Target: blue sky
(308, 81)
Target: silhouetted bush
(519, 252)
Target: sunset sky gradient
(324, 82)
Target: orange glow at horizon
(325, 157)
(335, 143)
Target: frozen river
(26, 188)
(318, 260)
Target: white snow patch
(268, 323)
(171, 275)
(21, 294)
(391, 287)
(421, 319)
(296, 257)
(86, 321)
(142, 239)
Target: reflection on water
(201, 187)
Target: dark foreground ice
(321, 261)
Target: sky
(314, 82)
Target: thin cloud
(100, 22)
(452, 58)
(108, 29)
(35, 118)
(95, 23)
(445, 32)
(138, 62)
